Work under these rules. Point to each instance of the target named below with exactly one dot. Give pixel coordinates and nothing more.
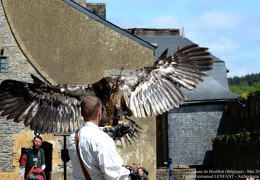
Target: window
(3, 62)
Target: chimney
(97, 8)
(153, 32)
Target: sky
(229, 28)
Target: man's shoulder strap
(86, 174)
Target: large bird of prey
(145, 92)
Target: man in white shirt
(96, 148)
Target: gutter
(208, 101)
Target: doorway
(47, 147)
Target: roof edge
(209, 100)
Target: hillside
(245, 84)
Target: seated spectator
(133, 173)
(250, 178)
(141, 175)
(138, 165)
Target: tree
(245, 84)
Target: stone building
(63, 42)
(67, 42)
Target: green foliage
(235, 138)
(245, 96)
(248, 79)
(256, 85)
(244, 85)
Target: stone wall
(19, 69)
(192, 128)
(178, 173)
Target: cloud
(163, 22)
(214, 20)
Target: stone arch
(24, 140)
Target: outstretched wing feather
(45, 108)
(31, 111)
(156, 89)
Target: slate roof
(214, 88)
(164, 42)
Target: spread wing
(156, 89)
(45, 108)
(56, 109)
(151, 90)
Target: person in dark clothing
(138, 165)
(133, 173)
(32, 161)
(145, 170)
(141, 175)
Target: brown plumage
(145, 92)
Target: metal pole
(64, 154)
(170, 168)
(65, 162)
